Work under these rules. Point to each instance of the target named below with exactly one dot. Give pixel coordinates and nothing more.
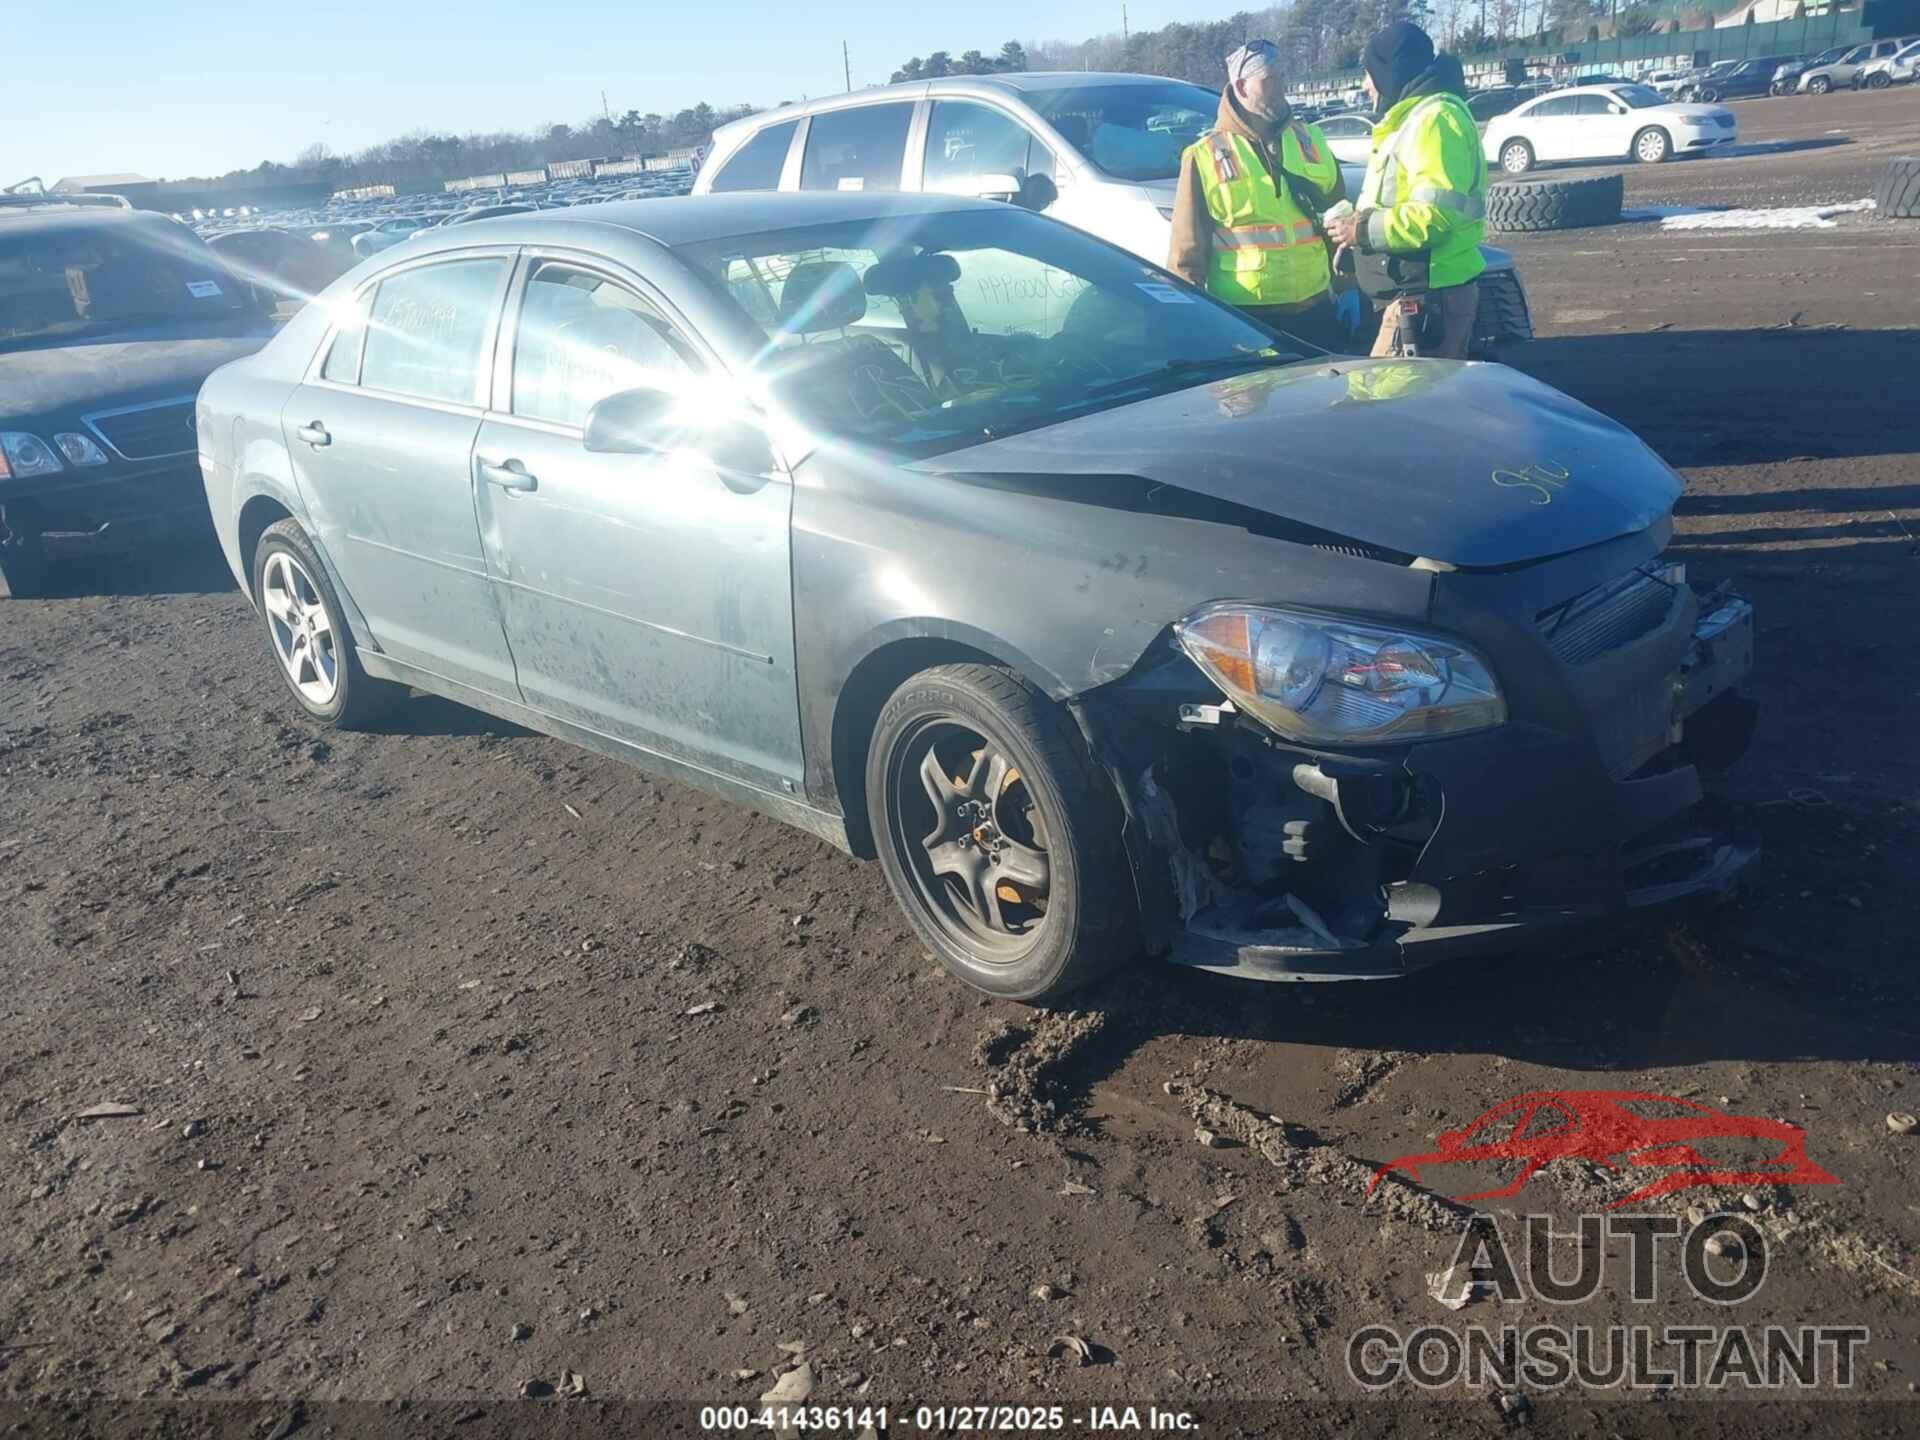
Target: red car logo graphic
(1617, 1130)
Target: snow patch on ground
(1785, 217)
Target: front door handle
(314, 433)
(507, 474)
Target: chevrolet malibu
(961, 539)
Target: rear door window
(967, 140)
(757, 164)
(430, 328)
(860, 148)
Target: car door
(381, 439)
(647, 597)
(1595, 128)
(1544, 126)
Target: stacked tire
(1532, 205)
(1897, 196)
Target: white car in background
(1605, 122)
(387, 234)
(1895, 69)
(1350, 137)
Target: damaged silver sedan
(1107, 620)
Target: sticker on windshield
(853, 182)
(202, 289)
(1165, 294)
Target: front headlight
(26, 456)
(1321, 679)
(78, 449)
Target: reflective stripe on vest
(1473, 207)
(1265, 250)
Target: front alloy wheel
(1652, 146)
(1516, 157)
(999, 835)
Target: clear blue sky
(172, 88)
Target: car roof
(55, 216)
(1024, 82)
(675, 220)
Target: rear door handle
(507, 474)
(314, 433)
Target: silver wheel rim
(302, 633)
(1652, 147)
(1515, 159)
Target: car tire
(307, 633)
(1896, 196)
(1528, 205)
(1877, 81)
(1516, 157)
(1819, 85)
(999, 835)
(1652, 146)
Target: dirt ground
(460, 1059)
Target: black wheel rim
(971, 837)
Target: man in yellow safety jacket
(1426, 185)
(1246, 214)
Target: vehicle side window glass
(343, 356)
(758, 163)
(583, 337)
(1562, 107)
(1590, 105)
(856, 149)
(965, 141)
(427, 330)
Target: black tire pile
(1897, 196)
(1555, 204)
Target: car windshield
(68, 280)
(1131, 132)
(928, 333)
(1639, 97)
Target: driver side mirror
(642, 422)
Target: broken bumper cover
(1499, 867)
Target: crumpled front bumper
(1538, 827)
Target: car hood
(115, 370)
(1474, 465)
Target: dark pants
(1319, 324)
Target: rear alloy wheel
(308, 634)
(1652, 146)
(998, 834)
(1516, 157)
(1819, 85)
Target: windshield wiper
(1186, 369)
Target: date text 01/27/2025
(948, 1419)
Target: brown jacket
(1191, 248)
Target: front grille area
(149, 433)
(1608, 617)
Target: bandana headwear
(1256, 57)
